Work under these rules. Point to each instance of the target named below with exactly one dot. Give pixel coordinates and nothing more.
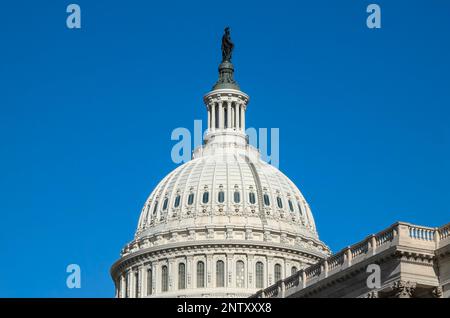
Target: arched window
(266, 199)
(259, 270)
(293, 270)
(299, 208)
(205, 198)
(240, 274)
(137, 285)
(200, 274)
(181, 276)
(251, 197)
(291, 207)
(277, 272)
(166, 201)
(155, 208)
(177, 201)
(220, 274)
(190, 199)
(279, 202)
(237, 197)
(221, 197)
(149, 281)
(165, 279)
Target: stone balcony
(414, 261)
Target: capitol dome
(224, 224)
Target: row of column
(226, 115)
(147, 279)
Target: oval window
(237, 197)
(300, 209)
(251, 198)
(205, 198)
(190, 199)
(221, 197)
(177, 201)
(266, 199)
(291, 207)
(279, 202)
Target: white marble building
(226, 223)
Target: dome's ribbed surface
(226, 177)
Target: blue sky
(86, 118)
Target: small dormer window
(221, 197)
(205, 198)
(291, 207)
(237, 197)
(279, 202)
(266, 199)
(300, 209)
(177, 201)
(251, 198)
(190, 199)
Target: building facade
(224, 224)
(402, 261)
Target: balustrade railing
(444, 231)
(335, 261)
(360, 248)
(372, 243)
(385, 236)
(421, 233)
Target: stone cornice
(173, 249)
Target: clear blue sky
(86, 117)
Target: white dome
(224, 224)
(225, 176)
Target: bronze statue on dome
(227, 46)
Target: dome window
(149, 281)
(237, 197)
(165, 279)
(181, 276)
(177, 201)
(291, 207)
(155, 209)
(166, 202)
(221, 197)
(191, 199)
(240, 274)
(220, 274)
(266, 199)
(300, 209)
(200, 274)
(205, 198)
(277, 272)
(279, 202)
(251, 197)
